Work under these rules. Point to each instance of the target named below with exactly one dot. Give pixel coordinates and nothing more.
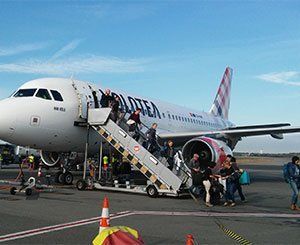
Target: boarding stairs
(152, 167)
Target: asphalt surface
(169, 223)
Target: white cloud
(286, 78)
(67, 48)
(8, 51)
(76, 65)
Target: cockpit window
(44, 94)
(25, 93)
(56, 95)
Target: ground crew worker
(30, 162)
(115, 165)
(105, 166)
(105, 162)
(92, 168)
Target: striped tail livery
(221, 104)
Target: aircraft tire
(28, 192)
(68, 178)
(152, 191)
(13, 191)
(58, 177)
(81, 185)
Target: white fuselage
(48, 124)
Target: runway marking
(218, 214)
(48, 229)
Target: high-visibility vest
(1, 158)
(105, 162)
(113, 160)
(31, 159)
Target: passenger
(169, 153)
(106, 99)
(151, 143)
(231, 177)
(194, 165)
(135, 123)
(201, 174)
(294, 180)
(115, 104)
(238, 185)
(207, 176)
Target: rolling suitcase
(245, 178)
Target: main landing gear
(64, 177)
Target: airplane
(47, 114)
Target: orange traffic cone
(104, 221)
(190, 240)
(40, 172)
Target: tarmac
(68, 216)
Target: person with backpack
(151, 143)
(238, 185)
(115, 107)
(169, 153)
(292, 175)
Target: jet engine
(209, 151)
(50, 158)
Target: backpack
(286, 175)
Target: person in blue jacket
(294, 180)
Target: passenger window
(25, 93)
(56, 95)
(44, 94)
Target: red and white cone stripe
(104, 221)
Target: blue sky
(173, 50)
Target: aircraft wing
(236, 133)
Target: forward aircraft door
(85, 97)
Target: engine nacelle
(209, 150)
(50, 158)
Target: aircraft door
(168, 115)
(84, 94)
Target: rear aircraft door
(85, 97)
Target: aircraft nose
(7, 121)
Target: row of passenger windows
(191, 120)
(41, 93)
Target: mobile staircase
(161, 180)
